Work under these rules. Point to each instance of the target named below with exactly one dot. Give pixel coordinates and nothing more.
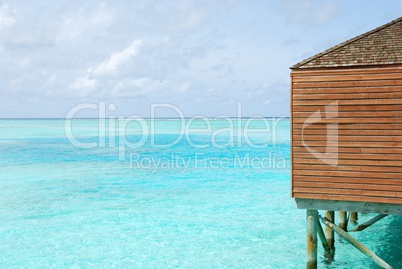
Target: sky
(208, 58)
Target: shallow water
(223, 206)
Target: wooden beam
(347, 198)
(336, 205)
(311, 239)
(356, 244)
(368, 223)
(327, 249)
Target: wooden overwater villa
(346, 107)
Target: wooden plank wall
(363, 131)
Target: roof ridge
(347, 42)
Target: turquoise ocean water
(139, 197)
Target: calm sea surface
(166, 194)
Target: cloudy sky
(200, 56)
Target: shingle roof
(380, 46)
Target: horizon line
(148, 118)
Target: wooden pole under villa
(311, 221)
(354, 217)
(329, 233)
(343, 220)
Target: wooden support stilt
(311, 222)
(356, 244)
(370, 222)
(353, 217)
(329, 233)
(343, 220)
(327, 249)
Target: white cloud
(7, 16)
(83, 86)
(82, 22)
(135, 88)
(184, 87)
(170, 51)
(116, 61)
(107, 78)
(84, 49)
